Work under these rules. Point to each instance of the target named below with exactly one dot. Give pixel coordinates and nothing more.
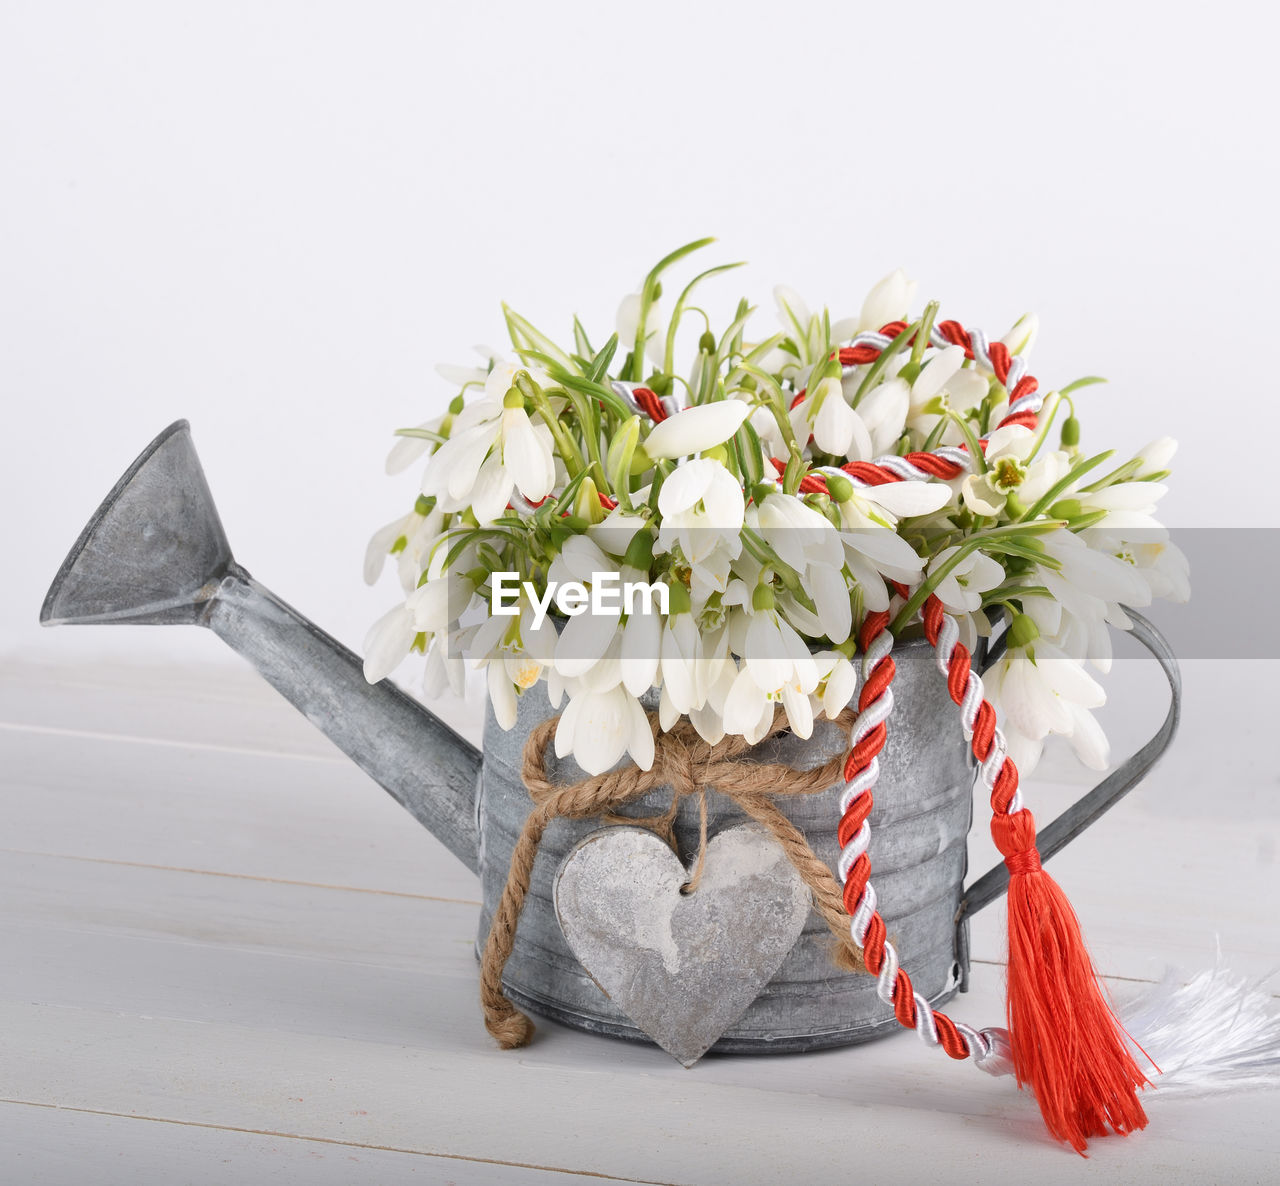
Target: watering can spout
(155, 553)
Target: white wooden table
(232, 958)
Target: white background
(273, 219)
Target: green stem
(877, 367)
(926, 328)
(565, 444)
(985, 539)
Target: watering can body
(155, 552)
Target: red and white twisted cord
(989, 1048)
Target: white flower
(695, 429)
(1009, 471)
(684, 666)
(944, 384)
(703, 511)
(888, 300)
(883, 411)
(599, 727)
(1087, 580)
(1154, 457)
(873, 548)
(444, 668)
(495, 448)
(384, 540)
(837, 683)
(1022, 334)
(388, 643)
(802, 328)
(628, 324)
(962, 588)
(835, 427)
(1038, 689)
(516, 655)
(810, 544)
(776, 666)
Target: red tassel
(1067, 1045)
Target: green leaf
(581, 343)
(600, 363)
(676, 313)
(1087, 381)
(526, 337)
(421, 434)
(1055, 491)
(877, 367)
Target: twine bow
(689, 765)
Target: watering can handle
(1108, 792)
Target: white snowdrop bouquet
(705, 536)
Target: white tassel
(1216, 1033)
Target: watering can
(155, 553)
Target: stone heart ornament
(683, 966)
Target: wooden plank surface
(233, 958)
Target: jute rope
(689, 766)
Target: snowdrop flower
(1087, 579)
(444, 669)
(1021, 336)
(873, 548)
(1164, 567)
(383, 543)
(837, 683)
(598, 728)
(945, 384)
(888, 300)
(835, 426)
(515, 654)
(695, 429)
(407, 450)
(776, 666)
(1154, 457)
(1038, 689)
(807, 542)
(628, 325)
(495, 449)
(1010, 471)
(962, 588)
(684, 666)
(703, 512)
(803, 330)
(1129, 506)
(883, 412)
(388, 642)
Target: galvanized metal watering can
(155, 552)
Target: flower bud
(1070, 432)
(586, 505)
(839, 487)
(1156, 456)
(640, 551)
(621, 453)
(707, 343)
(1022, 630)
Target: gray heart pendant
(683, 967)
